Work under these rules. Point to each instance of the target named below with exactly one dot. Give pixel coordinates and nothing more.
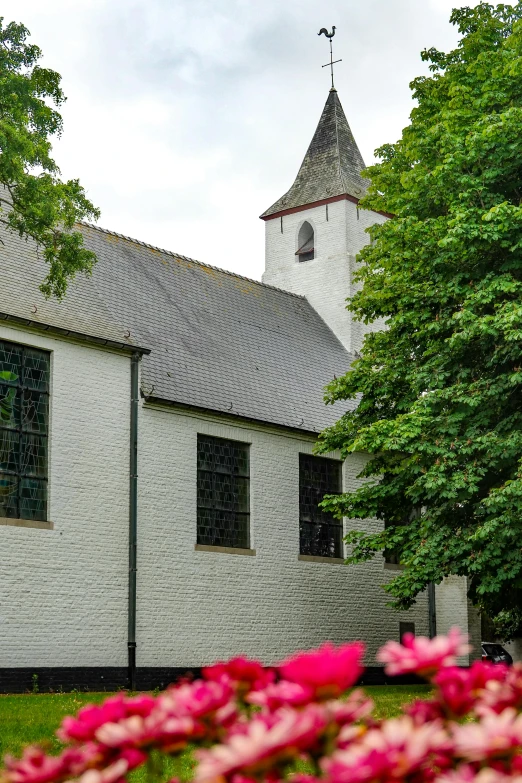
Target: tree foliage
(34, 202)
(440, 390)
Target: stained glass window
(320, 533)
(223, 493)
(24, 429)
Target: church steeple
(331, 167)
(315, 231)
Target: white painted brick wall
(327, 280)
(196, 607)
(63, 592)
(453, 608)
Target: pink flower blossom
(281, 693)
(269, 740)
(422, 655)
(358, 705)
(393, 751)
(327, 671)
(116, 771)
(470, 731)
(502, 689)
(157, 729)
(467, 774)
(461, 689)
(36, 767)
(92, 716)
(241, 671)
(196, 699)
(495, 736)
(424, 711)
(301, 777)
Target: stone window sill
(29, 523)
(393, 567)
(224, 550)
(314, 559)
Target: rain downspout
(432, 611)
(133, 519)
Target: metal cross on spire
(332, 62)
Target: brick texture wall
(195, 607)
(63, 592)
(327, 280)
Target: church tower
(314, 232)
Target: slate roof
(85, 312)
(332, 165)
(217, 341)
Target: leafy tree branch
(34, 202)
(440, 390)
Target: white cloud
(185, 119)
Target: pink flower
(424, 711)
(268, 740)
(301, 777)
(327, 671)
(460, 689)
(91, 717)
(495, 736)
(36, 767)
(395, 750)
(127, 761)
(177, 717)
(240, 670)
(422, 655)
(158, 729)
(197, 699)
(503, 689)
(281, 693)
(466, 774)
(358, 705)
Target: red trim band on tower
(320, 203)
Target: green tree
(440, 391)
(34, 202)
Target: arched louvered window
(305, 242)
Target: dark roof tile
(218, 341)
(332, 165)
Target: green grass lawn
(29, 718)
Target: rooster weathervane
(324, 31)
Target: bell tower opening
(305, 243)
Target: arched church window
(305, 242)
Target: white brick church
(158, 490)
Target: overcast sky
(186, 119)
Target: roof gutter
(61, 332)
(198, 409)
(432, 611)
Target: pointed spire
(332, 165)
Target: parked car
(495, 653)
